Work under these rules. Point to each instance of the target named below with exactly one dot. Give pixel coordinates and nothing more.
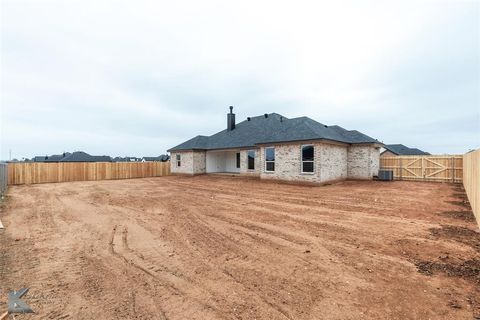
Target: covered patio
(223, 161)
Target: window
(179, 162)
(308, 158)
(270, 159)
(251, 159)
(238, 160)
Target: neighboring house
(274, 147)
(80, 156)
(57, 157)
(161, 158)
(126, 159)
(39, 158)
(77, 156)
(391, 150)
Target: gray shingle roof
(56, 157)
(401, 150)
(77, 156)
(80, 156)
(161, 158)
(272, 129)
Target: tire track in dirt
(227, 244)
(177, 288)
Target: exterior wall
(199, 162)
(244, 163)
(192, 162)
(333, 161)
(222, 161)
(363, 161)
(374, 161)
(231, 161)
(330, 163)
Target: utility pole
(10, 151)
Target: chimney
(231, 120)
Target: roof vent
(281, 119)
(325, 126)
(265, 115)
(248, 118)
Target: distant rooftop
(77, 156)
(401, 150)
(80, 156)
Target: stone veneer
(244, 163)
(363, 161)
(332, 162)
(192, 162)
(329, 163)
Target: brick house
(274, 147)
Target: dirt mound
(465, 215)
(464, 235)
(469, 269)
(460, 203)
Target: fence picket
(29, 173)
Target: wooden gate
(425, 168)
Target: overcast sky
(137, 77)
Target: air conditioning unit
(385, 175)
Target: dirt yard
(233, 248)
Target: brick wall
(329, 163)
(374, 161)
(363, 161)
(333, 161)
(191, 162)
(244, 163)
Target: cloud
(139, 77)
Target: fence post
(3, 177)
(401, 168)
(423, 169)
(453, 169)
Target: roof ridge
(271, 129)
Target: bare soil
(234, 248)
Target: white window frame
(178, 160)
(302, 161)
(254, 157)
(274, 157)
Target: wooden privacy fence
(27, 173)
(471, 180)
(3, 178)
(425, 168)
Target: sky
(135, 78)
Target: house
(77, 156)
(52, 158)
(391, 150)
(56, 157)
(126, 159)
(80, 156)
(161, 158)
(272, 146)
